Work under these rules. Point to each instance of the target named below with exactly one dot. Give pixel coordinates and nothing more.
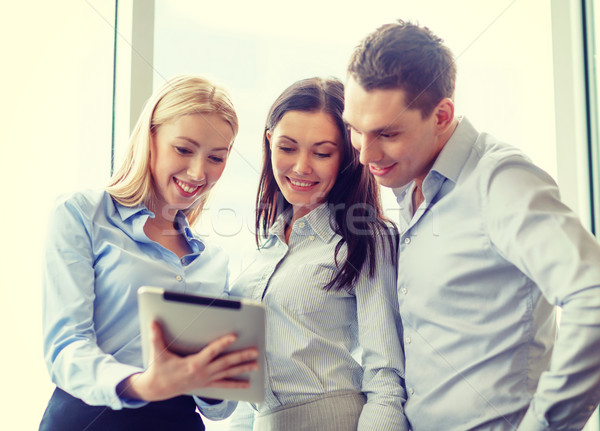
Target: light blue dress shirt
(96, 257)
(317, 340)
(482, 264)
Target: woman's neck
(163, 231)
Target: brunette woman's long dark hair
(354, 199)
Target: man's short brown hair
(408, 57)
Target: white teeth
(185, 187)
(300, 183)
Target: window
(592, 57)
(503, 50)
(591, 35)
(56, 133)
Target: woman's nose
(196, 169)
(302, 165)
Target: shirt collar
(455, 153)
(181, 224)
(318, 220)
(128, 212)
(452, 158)
(278, 228)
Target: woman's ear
(268, 135)
(151, 144)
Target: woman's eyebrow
(288, 138)
(325, 142)
(191, 141)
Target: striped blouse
(322, 341)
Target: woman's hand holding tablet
(169, 374)
(198, 345)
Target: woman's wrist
(129, 388)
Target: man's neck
(417, 197)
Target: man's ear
(444, 114)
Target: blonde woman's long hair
(132, 183)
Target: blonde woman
(103, 245)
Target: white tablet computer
(190, 322)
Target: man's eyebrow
(383, 130)
(378, 131)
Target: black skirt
(67, 413)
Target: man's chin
(391, 183)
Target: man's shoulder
(493, 150)
(490, 154)
(482, 148)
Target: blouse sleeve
(379, 336)
(215, 411)
(242, 418)
(74, 360)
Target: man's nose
(370, 150)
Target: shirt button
(301, 224)
(312, 237)
(404, 290)
(178, 278)
(407, 240)
(411, 391)
(591, 407)
(407, 340)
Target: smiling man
(487, 251)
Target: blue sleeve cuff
(215, 412)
